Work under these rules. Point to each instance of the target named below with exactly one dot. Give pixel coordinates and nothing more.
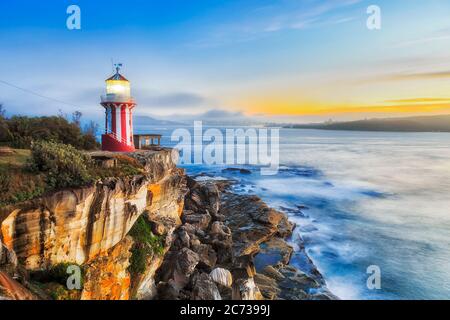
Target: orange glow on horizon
(416, 105)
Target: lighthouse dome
(118, 77)
(117, 89)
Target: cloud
(419, 100)
(419, 75)
(284, 15)
(215, 116)
(439, 35)
(173, 100)
(402, 76)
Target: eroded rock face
(13, 290)
(80, 224)
(107, 277)
(74, 225)
(88, 226)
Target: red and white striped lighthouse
(119, 106)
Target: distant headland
(439, 123)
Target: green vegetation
(20, 131)
(53, 282)
(63, 165)
(18, 184)
(58, 273)
(145, 245)
(49, 166)
(126, 167)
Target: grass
(17, 159)
(16, 183)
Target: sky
(281, 61)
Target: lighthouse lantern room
(119, 105)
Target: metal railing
(116, 137)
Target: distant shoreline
(429, 124)
(357, 130)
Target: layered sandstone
(88, 226)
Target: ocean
(360, 199)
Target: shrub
(63, 165)
(145, 245)
(19, 132)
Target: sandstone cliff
(88, 226)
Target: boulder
(200, 221)
(186, 261)
(222, 277)
(204, 288)
(207, 256)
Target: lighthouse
(119, 105)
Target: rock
(8, 260)
(273, 252)
(13, 290)
(195, 243)
(158, 227)
(202, 198)
(222, 276)
(207, 256)
(204, 288)
(325, 295)
(268, 286)
(185, 238)
(77, 225)
(246, 289)
(168, 291)
(251, 222)
(200, 221)
(271, 272)
(107, 276)
(186, 262)
(239, 170)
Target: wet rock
(237, 170)
(271, 272)
(268, 286)
(251, 222)
(273, 252)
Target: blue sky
(297, 60)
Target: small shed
(142, 141)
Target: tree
(76, 118)
(91, 128)
(2, 111)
